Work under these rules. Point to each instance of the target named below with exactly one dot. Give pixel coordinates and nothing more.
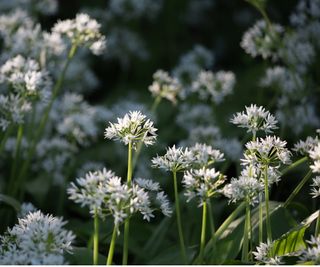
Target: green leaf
(293, 240)
(260, 4)
(10, 201)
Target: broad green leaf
(293, 240)
(10, 201)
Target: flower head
(204, 155)
(175, 159)
(303, 147)
(263, 254)
(314, 154)
(255, 119)
(315, 191)
(312, 253)
(132, 128)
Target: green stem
(5, 138)
(245, 248)
(112, 244)
(294, 165)
(260, 218)
(156, 103)
(43, 122)
(297, 189)
(96, 238)
(16, 157)
(211, 221)
(127, 220)
(176, 196)
(203, 231)
(266, 192)
(317, 230)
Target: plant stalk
(266, 192)
(260, 218)
(246, 235)
(112, 245)
(203, 231)
(96, 238)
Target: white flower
(25, 209)
(132, 128)
(204, 155)
(82, 31)
(269, 150)
(165, 86)
(263, 254)
(315, 191)
(202, 183)
(175, 159)
(147, 184)
(261, 40)
(215, 85)
(303, 147)
(255, 119)
(312, 253)
(165, 205)
(315, 156)
(37, 239)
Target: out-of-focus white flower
(214, 85)
(175, 159)
(312, 253)
(263, 254)
(315, 190)
(37, 239)
(303, 147)
(255, 119)
(25, 209)
(132, 128)
(262, 41)
(164, 86)
(82, 31)
(202, 183)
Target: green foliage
(10, 201)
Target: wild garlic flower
(204, 155)
(37, 239)
(312, 253)
(25, 209)
(132, 128)
(82, 31)
(267, 151)
(202, 183)
(26, 77)
(91, 190)
(164, 86)
(175, 159)
(314, 154)
(303, 147)
(255, 119)
(263, 254)
(315, 191)
(245, 188)
(262, 41)
(214, 85)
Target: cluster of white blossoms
(44, 7)
(25, 209)
(82, 31)
(205, 155)
(312, 253)
(303, 147)
(132, 128)
(315, 190)
(314, 154)
(202, 183)
(26, 78)
(164, 86)
(37, 239)
(105, 194)
(214, 85)
(174, 160)
(260, 40)
(255, 119)
(267, 151)
(263, 254)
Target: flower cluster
(205, 155)
(37, 239)
(132, 128)
(315, 156)
(164, 86)
(263, 255)
(303, 147)
(214, 85)
(82, 31)
(262, 40)
(202, 183)
(175, 159)
(312, 253)
(255, 119)
(315, 191)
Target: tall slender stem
(203, 231)
(96, 238)
(317, 230)
(127, 220)
(156, 103)
(294, 165)
(176, 196)
(5, 138)
(112, 245)
(43, 122)
(260, 218)
(246, 235)
(211, 220)
(266, 192)
(297, 189)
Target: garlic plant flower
(263, 254)
(82, 31)
(255, 119)
(164, 86)
(202, 183)
(37, 239)
(315, 190)
(132, 128)
(303, 147)
(205, 155)
(314, 154)
(312, 253)
(175, 159)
